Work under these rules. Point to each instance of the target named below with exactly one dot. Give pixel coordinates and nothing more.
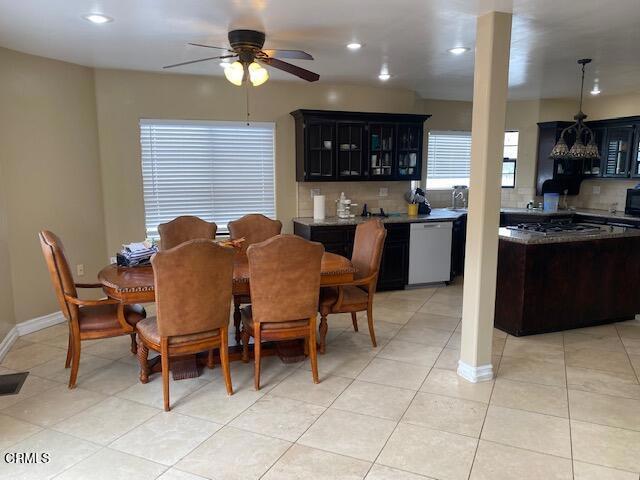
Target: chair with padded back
(185, 228)
(284, 277)
(193, 284)
(358, 295)
(88, 319)
(254, 228)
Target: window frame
(222, 226)
(504, 160)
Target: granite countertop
(436, 215)
(536, 239)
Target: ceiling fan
(246, 46)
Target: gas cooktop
(555, 228)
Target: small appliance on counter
(459, 195)
(632, 205)
(417, 196)
(343, 207)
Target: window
(449, 159)
(218, 171)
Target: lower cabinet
(394, 266)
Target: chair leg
(210, 363)
(224, 360)
(75, 360)
(245, 345)
(313, 355)
(164, 353)
(134, 344)
(354, 320)
(306, 346)
(237, 318)
(323, 333)
(143, 356)
(67, 362)
(370, 321)
(257, 347)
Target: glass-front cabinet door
(320, 149)
(409, 148)
(350, 151)
(381, 148)
(635, 152)
(617, 151)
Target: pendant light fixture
(584, 147)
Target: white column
(493, 37)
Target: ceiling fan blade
(209, 46)
(197, 61)
(279, 53)
(292, 69)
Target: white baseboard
(38, 323)
(27, 327)
(482, 373)
(8, 341)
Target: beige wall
(50, 173)
(124, 97)
(7, 318)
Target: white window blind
(218, 171)
(449, 159)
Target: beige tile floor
(562, 406)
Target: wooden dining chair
(88, 319)
(193, 283)
(254, 228)
(185, 228)
(284, 274)
(356, 296)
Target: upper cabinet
(356, 146)
(618, 142)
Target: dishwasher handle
(421, 226)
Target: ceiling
(411, 37)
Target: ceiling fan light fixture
(354, 46)
(235, 73)
(257, 74)
(595, 90)
(97, 18)
(384, 76)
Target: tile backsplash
(359, 193)
(598, 193)
(603, 194)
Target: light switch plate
(314, 192)
(383, 192)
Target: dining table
(129, 285)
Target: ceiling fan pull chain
(246, 89)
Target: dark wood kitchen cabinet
(358, 146)
(394, 266)
(618, 141)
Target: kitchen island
(548, 283)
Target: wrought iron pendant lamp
(584, 147)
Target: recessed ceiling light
(97, 18)
(458, 50)
(384, 76)
(595, 91)
(354, 46)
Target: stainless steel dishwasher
(430, 252)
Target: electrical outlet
(383, 192)
(314, 192)
(80, 269)
(596, 190)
